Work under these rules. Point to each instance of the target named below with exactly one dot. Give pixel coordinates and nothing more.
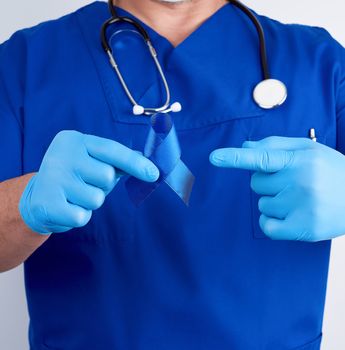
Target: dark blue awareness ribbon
(163, 149)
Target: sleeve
(340, 98)
(12, 65)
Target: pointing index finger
(263, 160)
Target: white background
(329, 14)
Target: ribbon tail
(139, 190)
(181, 181)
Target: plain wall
(13, 16)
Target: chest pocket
(262, 130)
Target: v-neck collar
(207, 71)
(155, 35)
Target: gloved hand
(76, 174)
(301, 183)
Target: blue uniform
(164, 275)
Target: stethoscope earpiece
(140, 110)
(176, 107)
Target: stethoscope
(268, 94)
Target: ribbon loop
(163, 149)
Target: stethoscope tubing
(263, 47)
(145, 36)
(262, 94)
(261, 34)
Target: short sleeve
(340, 97)
(12, 77)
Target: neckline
(154, 34)
(210, 51)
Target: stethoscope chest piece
(270, 93)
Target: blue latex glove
(301, 183)
(76, 174)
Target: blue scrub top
(167, 276)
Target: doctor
(244, 265)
